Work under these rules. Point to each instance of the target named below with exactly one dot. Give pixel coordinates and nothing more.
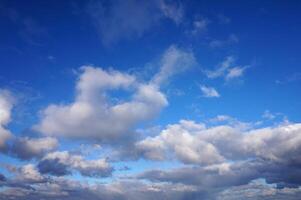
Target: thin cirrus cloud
(209, 92)
(130, 19)
(227, 70)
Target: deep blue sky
(268, 34)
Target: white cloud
(180, 140)
(29, 173)
(226, 70)
(6, 105)
(235, 72)
(174, 61)
(222, 68)
(205, 146)
(209, 91)
(268, 115)
(221, 118)
(54, 162)
(93, 116)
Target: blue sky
(118, 91)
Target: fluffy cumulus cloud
(195, 143)
(180, 140)
(93, 115)
(232, 153)
(6, 105)
(63, 163)
(29, 173)
(26, 148)
(117, 20)
(22, 147)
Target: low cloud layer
(192, 142)
(63, 163)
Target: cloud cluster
(22, 147)
(63, 163)
(64, 189)
(27, 148)
(191, 142)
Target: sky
(161, 99)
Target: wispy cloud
(200, 25)
(232, 39)
(118, 20)
(227, 70)
(209, 91)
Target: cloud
(179, 141)
(6, 105)
(257, 190)
(235, 72)
(22, 147)
(174, 61)
(202, 183)
(268, 115)
(200, 25)
(93, 116)
(209, 91)
(226, 70)
(2, 177)
(232, 39)
(295, 77)
(30, 174)
(172, 10)
(227, 175)
(66, 190)
(117, 20)
(221, 70)
(221, 118)
(193, 143)
(62, 163)
(27, 148)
